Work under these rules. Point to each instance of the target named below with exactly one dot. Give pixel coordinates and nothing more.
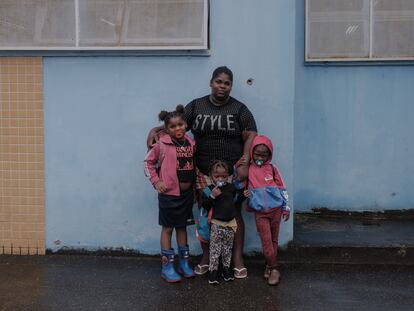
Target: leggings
(221, 244)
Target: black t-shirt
(218, 130)
(185, 163)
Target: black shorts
(176, 211)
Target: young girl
(170, 167)
(218, 199)
(268, 200)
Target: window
(359, 30)
(103, 24)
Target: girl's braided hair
(215, 164)
(167, 116)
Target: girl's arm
(150, 164)
(207, 198)
(281, 185)
(278, 178)
(207, 203)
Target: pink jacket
(164, 156)
(266, 186)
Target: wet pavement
(58, 282)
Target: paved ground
(110, 283)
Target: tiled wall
(21, 156)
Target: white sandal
(240, 273)
(201, 269)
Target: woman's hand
(242, 172)
(246, 193)
(160, 187)
(153, 136)
(244, 160)
(243, 163)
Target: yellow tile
(38, 96)
(38, 69)
(16, 251)
(21, 153)
(4, 69)
(6, 250)
(30, 79)
(13, 97)
(19, 122)
(13, 69)
(39, 132)
(13, 78)
(21, 69)
(30, 69)
(5, 79)
(5, 87)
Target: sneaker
(274, 277)
(228, 274)
(213, 277)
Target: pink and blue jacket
(160, 163)
(265, 184)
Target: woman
(223, 129)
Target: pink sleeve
(278, 178)
(150, 163)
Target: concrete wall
(353, 134)
(98, 111)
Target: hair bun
(162, 115)
(180, 108)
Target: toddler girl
(218, 199)
(268, 200)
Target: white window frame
(370, 57)
(203, 47)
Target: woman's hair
(167, 116)
(216, 164)
(219, 70)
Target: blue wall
(98, 111)
(353, 134)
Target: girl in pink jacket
(268, 200)
(170, 167)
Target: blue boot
(184, 267)
(168, 272)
